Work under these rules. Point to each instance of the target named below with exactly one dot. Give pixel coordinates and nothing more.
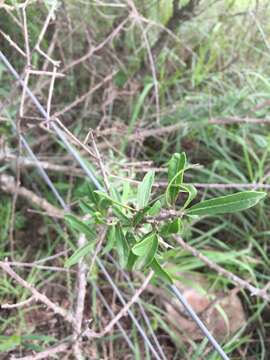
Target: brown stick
(7, 184)
(37, 295)
(92, 334)
(81, 291)
(47, 354)
(19, 304)
(262, 293)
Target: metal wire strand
(54, 126)
(118, 293)
(198, 321)
(107, 306)
(144, 315)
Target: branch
(37, 295)
(92, 334)
(47, 354)
(81, 291)
(7, 184)
(262, 293)
(17, 305)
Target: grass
(213, 66)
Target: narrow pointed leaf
(146, 250)
(154, 210)
(121, 245)
(104, 195)
(144, 189)
(171, 227)
(131, 261)
(160, 272)
(176, 169)
(192, 193)
(227, 204)
(110, 240)
(79, 253)
(79, 225)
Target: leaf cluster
(138, 228)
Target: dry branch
(7, 184)
(47, 354)
(262, 293)
(81, 291)
(37, 295)
(92, 334)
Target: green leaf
(227, 204)
(86, 207)
(147, 210)
(79, 225)
(172, 227)
(121, 216)
(139, 216)
(131, 261)
(135, 114)
(146, 250)
(79, 253)
(115, 194)
(126, 191)
(192, 193)
(176, 169)
(166, 10)
(176, 164)
(144, 189)
(121, 245)
(110, 240)
(104, 195)
(159, 271)
(91, 194)
(155, 209)
(8, 343)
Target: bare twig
(13, 44)
(97, 48)
(47, 354)
(92, 334)
(137, 18)
(49, 101)
(81, 291)
(36, 265)
(237, 120)
(97, 250)
(15, 193)
(222, 272)
(74, 139)
(100, 162)
(18, 305)
(41, 36)
(37, 295)
(7, 184)
(26, 162)
(84, 96)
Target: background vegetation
(151, 78)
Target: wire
(198, 321)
